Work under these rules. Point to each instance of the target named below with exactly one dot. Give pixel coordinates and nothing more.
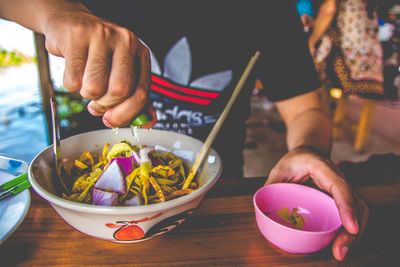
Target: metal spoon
(56, 145)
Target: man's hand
(302, 164)
(308, 22)
(106, 63)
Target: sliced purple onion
(135, 201)
(112, 179)
(125, 164)
(104, 198)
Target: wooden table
(222, 231)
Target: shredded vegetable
(149, 176)
(293, 218)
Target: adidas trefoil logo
(174, 81)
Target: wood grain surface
(221, 232)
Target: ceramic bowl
(119, 223)
(318, 210)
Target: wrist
(58, 9)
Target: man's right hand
(106, 63)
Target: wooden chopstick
(214, 131)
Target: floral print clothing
(350, 55)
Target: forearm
(307, 124)
(324, 18)
(312, 128)
(35, 14)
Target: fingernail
(344, 251)
(92, 111)
(106, 123)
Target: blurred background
(23, 122)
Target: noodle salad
(127, 175)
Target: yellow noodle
(152, 183)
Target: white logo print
(178, 69)
(182, 98)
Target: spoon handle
(56, 144)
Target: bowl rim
(96, 209)
(334, 229)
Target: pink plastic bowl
(319, 210)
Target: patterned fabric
(350, 54)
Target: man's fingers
(97, 70)
(277, 175)
(145, 68)
(74, 69)
(122, 114)
(297, 166)
(130, 72)
(122, 78)
(341, 244)
(100, 64)
(344, 239)
(344, 199)
(327, 178)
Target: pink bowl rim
(334, 229)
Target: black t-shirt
(199, 51)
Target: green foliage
(69, 104)
(73, 115)
(12, 58)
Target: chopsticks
(14, 186)
(214, 131)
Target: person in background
(346, 49)
(186, 57)
(306, 12)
